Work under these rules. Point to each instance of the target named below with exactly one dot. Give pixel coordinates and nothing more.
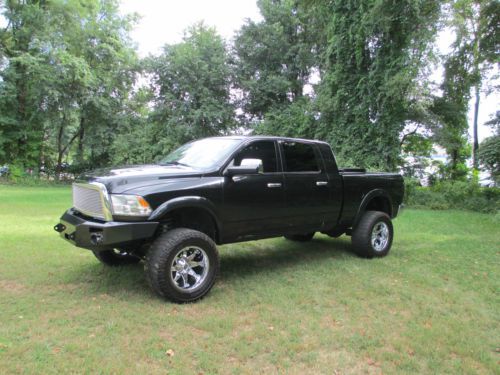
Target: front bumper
(102, 235)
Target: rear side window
(300, 157)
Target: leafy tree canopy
(192, 82)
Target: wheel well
(193, 218)
(379, 204)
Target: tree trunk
(454, 162)
(59, 166)
(21, 109)
(475, 145)
(60, 147)
(61, 150)
(81, 133)
(42, 162)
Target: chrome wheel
(189, 268)
(380, 236)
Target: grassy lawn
(431, 306)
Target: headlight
(130, 205)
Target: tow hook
(59, 228)
(96, 238)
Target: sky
(163, 21)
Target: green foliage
(137, 136)
(16, 172)
(376, 51)
(475, 52)
(451, 111)
(273, 59)
(490, 38)
(351, 72)
(465, 195)
(69, 66)
(293, 120)
(416, 151)
(192, 84)
(494, 122)
(489, 156)
(25, 181)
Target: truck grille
(89, 199)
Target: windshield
(203, 154)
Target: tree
(451, 111)
(274, 59)
(376, 52)
(192, 84)
(489, 151)
(22, 80)
(136, 137)
(489, 156)
(69, 66)
(113, 63)
(475, 23)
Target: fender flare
(186, 202)
(367, 199)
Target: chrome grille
(89, 200)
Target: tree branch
(70, 142)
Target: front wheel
(181, 265)
(373, 235)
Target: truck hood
(119, 180)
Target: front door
(254, 204)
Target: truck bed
(357, 183)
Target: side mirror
(253, 163)
(247, 166)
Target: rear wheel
(116, 257)
(373, 235)
(181, 265)
(300, 237)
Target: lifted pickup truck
(223, 190)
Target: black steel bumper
(102, 235)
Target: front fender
(184, 202)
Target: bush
(32, 181)
(411, 184)
(16, 172)
(453, 195)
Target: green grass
(431, 306)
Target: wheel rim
(189, 268)
(380, 236)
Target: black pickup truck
(223, 190)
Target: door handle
(321, 183)
(274, 185)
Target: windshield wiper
(175, 163)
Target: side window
(300, 157)
(261, 150)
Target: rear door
(307, 193)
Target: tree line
(356, 73)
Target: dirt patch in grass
(11, 286)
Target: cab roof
(270, 137)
